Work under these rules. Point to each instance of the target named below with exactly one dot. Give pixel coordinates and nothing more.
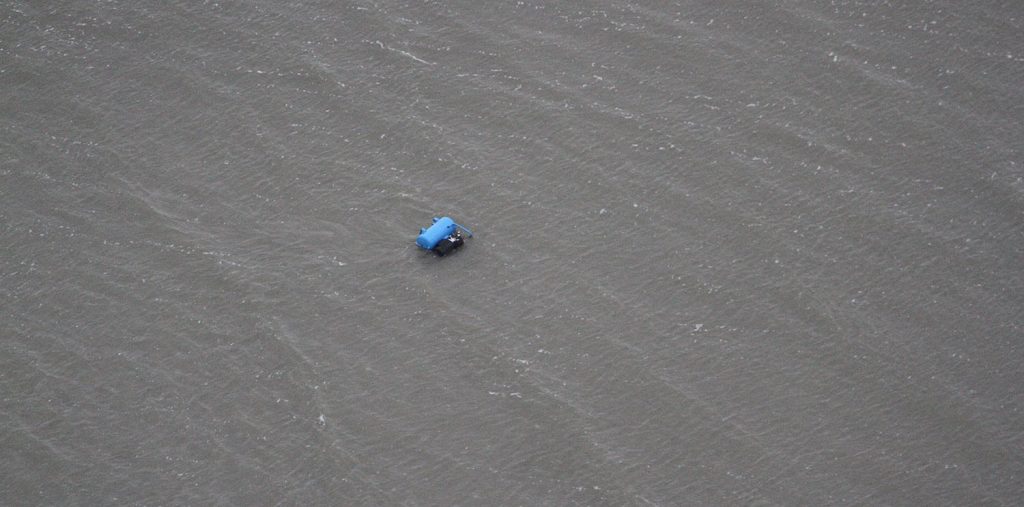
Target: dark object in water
(450, 243)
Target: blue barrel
(442, 228)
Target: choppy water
(727, 253)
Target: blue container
(442, 228)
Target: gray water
(726, 253)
